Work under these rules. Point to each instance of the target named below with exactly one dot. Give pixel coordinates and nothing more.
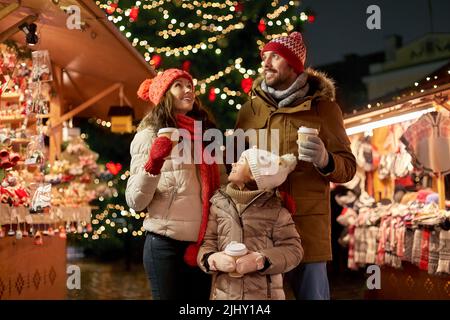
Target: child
(248, 210)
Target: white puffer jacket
(172, 198)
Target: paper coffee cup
(303, 133)
(236, 250)
(171, 133)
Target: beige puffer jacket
(173, 198)
(264, 226)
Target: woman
(175, 194)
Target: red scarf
(210, 182)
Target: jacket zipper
(269, 285)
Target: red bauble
(156, 61)
(186, 65)
(262, 26)
(311, 18)
(113, 168)
(246, 84)
(112, 8)
(239, 7)
(212, 94)
(134, 13)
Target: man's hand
(314, 151)
(251, 262)
(220, 261)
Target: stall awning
(425, 95)
(93, 59)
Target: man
(286, 98)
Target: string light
(210, 28)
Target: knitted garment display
(444, 252)
(394, 233)
(428, 142)
(433, 258)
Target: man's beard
(276, 81)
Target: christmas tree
(218, 42)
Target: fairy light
(220, 74)
(208, 28)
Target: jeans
(309, 281)
(170, 277)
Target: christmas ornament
(113, 168)
(62, 233)
(112, 8)
(246, 84)
(262, 26)
(311, 18)
(38, 239)
(134, 12)
(156, 61)
(212, 94)
(186, 66)
(239, 7)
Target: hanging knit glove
(220, 261)
(315, 151)
(251, 262)
(161, 148)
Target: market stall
(45, 191)
(397, 209)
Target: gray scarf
(297, 90)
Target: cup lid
(167, 130)
(174, 134)
(235, 249)
(308, 130)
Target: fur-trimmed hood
(321, 86)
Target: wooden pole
(441, 190)
(86, 104)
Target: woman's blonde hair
(163, 115)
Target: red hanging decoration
(186, 66)
(262, 25)
(246, 84)
(112, 8)
(212, 94)
(134, 14)
(156, 61)
(311, 18)
(113, 168)
(239, 7)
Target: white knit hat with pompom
(268, 169)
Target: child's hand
(251, 262)
(220, 261)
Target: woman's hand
(220, 261)
(161, 148)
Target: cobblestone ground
(101, 281)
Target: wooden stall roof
(93, 59)
(432, 90)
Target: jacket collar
(223, 201)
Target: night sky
(340, 26)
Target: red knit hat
(291, 48)
(153, 89)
